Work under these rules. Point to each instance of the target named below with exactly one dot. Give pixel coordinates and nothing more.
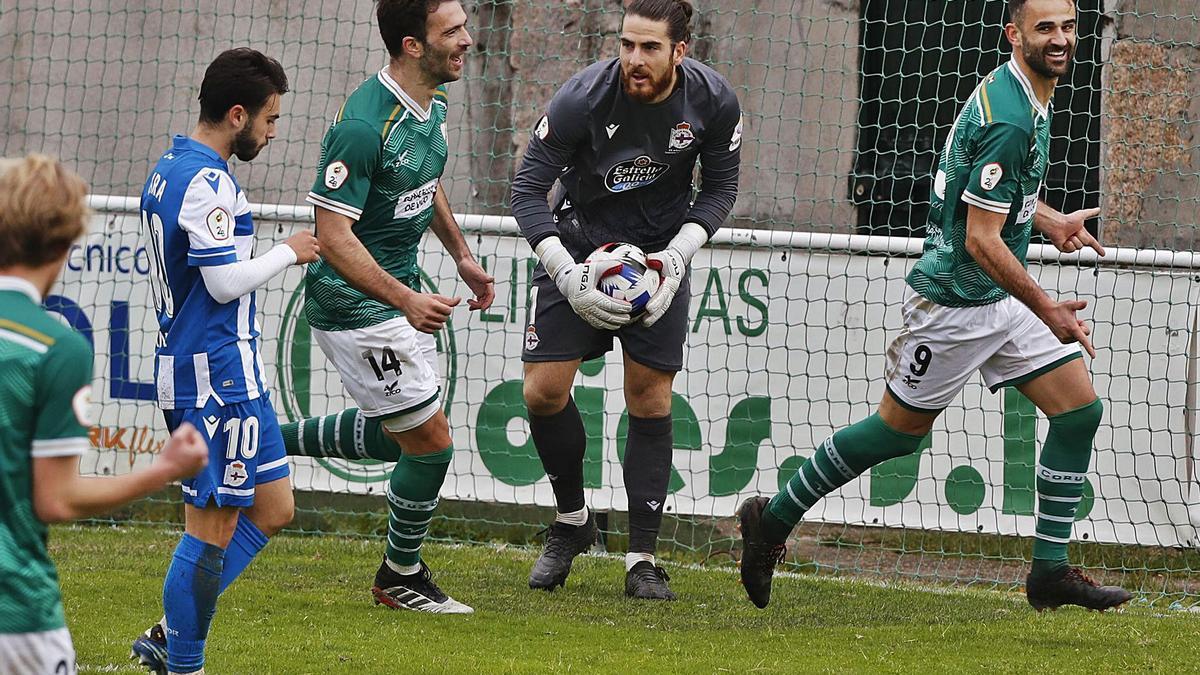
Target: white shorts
(390, 370)
(44, 653)
(940, 348)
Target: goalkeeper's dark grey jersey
(625, 168)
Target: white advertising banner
(785, 346)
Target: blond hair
(42, 210)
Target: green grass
(303, 607)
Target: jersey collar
(20, 285)
(1028, 87)
(182, 143)
(386, 80)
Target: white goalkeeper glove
(577, 282)
(671, 263)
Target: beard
(245, 147)
(651, 90)
(1036, 58)
(435, 64)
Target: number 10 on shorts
(241, 435)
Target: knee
(542, 400)
(1081, 421)
(271, 520)
(651, 407)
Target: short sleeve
(999, 156)
(64, 399)
(351, 153)
(207, 216)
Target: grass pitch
(304, 607)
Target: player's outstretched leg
(403, 580)
(839, 460)
(760, 551)
(345, 435)
(564, 541)
(1060, 479)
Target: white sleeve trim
(226, 283)
(59, 447)
(336, 207)
(985, 204)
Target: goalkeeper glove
(671, 263)
(578, 284)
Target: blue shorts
(245, 448)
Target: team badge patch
(336, 174)
(531, 338)
(990, 177)
(235, 473)
(219, 224)
(542, 130)
(735, 141)
(81, 404)
(681, 137)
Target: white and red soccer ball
(632, 281)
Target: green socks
(346, 435)
(840, 459)
(1060, 480)
(412, 496)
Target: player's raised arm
(1067, 231)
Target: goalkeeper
(622, 138)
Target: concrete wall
(1151, 158)
(105, 84)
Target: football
(633, 281)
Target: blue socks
(247, 541)
(190, 593)
(198, 574)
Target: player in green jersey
(377, 191)
(974, 307)
(45, 389)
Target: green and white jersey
(995, 158)
(380, 165)
(45, 397)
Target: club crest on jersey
(632, 174)
(81, 405)
(531, 338)
(681, 137)
(735, 141)
(336, 174)
(542, 130)
(235, 473)
(219, 223)
(990, 177)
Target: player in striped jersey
(45, 389)
(974, 307)
(378, 190)
(208, 371)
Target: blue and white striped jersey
(195, 215)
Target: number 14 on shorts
(387, 362)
